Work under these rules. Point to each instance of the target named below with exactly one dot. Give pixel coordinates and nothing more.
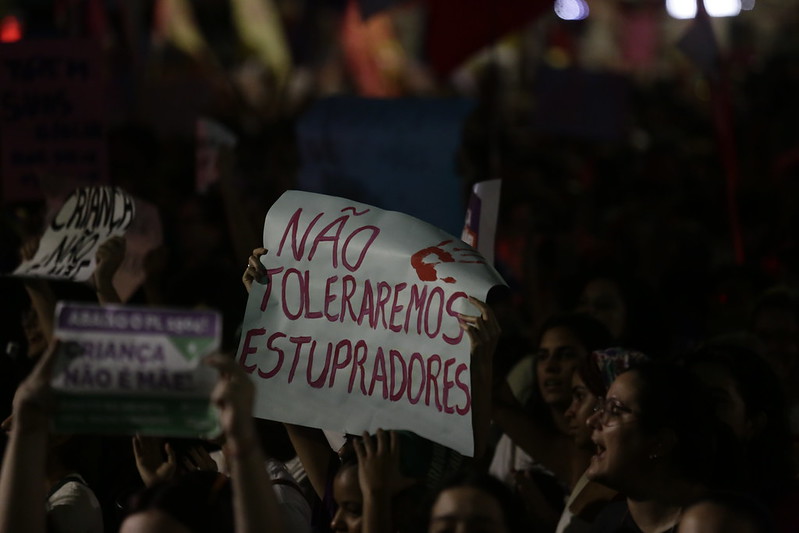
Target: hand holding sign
(88, 217)
(255, 270)
(483, 331)
(28, 249)
(109, 256)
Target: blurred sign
(480, 226)
(52, 115)
(135, 370)
(395, 154)
(89, 217)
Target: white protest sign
(89, 216)
(357, 328)
(126, 369)
(480, 227)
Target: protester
(612, 149)
(37, 322)
(71, 505)
(590, 384)
(657, 443)
(345, 489)
(476, 502)
(537, 451)
(254, 505)
(625, 305)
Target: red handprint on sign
(427, 270)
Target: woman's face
(622, 448)
(347, 493)
(466, 510)
(578, 413)
(602, 299)
(558, 355)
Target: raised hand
(109, 256)
(149, 453)
(255, 271)
(379, 477)
(198, 458)
(483, 331)
(378, 463)
(34, 397)
(28, 249)
(234, 395)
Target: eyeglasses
(611, 411)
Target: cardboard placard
(89, 216)
(358, 325)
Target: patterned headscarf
(603, 366)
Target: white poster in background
(357, 328)
(89, 217)
(480, 227)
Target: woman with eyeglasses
(589, 384)
(657, 443)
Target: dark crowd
(639, 374)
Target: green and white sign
(128, 370)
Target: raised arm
(531, 434)
(311, 444)
(255, 506)
(483, 331)
(380, 478)
(23, 474)
(255, 271)
(41, 294)
(315, 454)
(109, 257)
